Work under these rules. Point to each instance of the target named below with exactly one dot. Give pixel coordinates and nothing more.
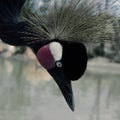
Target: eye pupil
(59, 64)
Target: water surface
(27, 92)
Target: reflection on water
(27, 92)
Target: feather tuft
(70, 20)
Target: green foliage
(20, 50)
(99, 50)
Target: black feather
(74, 59)
(12, 29)
(10, 10)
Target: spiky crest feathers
(68, 20)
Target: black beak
(64, 84)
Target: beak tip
(72, 106)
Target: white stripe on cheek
(56, 50)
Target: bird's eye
(58, 64)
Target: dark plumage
(58, 36)
(10, 24)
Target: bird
(57, 37)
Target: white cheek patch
(56, 50)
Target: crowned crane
(57, 37)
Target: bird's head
(63, 62)
(50, 57)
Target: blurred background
(27, 92)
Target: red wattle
(45, 57)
